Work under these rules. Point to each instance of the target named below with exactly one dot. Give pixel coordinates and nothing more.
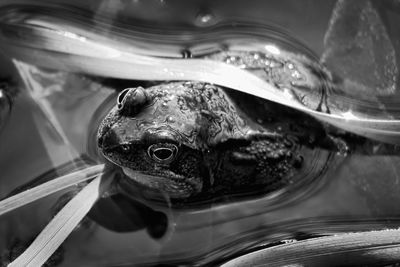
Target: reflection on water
(72, 77)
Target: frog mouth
(176, 186)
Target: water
(72, 75)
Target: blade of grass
(48, 188)
(54, 234)
(349, 249)
(86, 54)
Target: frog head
(162, 136)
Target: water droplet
(273, 49)
(296, 75)
(235, 60)
(170, 119)
(256, 56)
(275, 64)
(204, 19)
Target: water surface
(52, 119)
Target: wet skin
(196, 141)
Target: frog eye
(121, 98)
(131, 100)
(162, 153)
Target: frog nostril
(125, 148)
(107, 140)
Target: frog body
(195, 141)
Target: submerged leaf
(356, 44)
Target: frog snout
(108, 140)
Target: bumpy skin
(211, 148)
(299, 77)
(196, 141)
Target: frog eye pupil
(121, 98)
(164, 153)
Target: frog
(196, 142)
